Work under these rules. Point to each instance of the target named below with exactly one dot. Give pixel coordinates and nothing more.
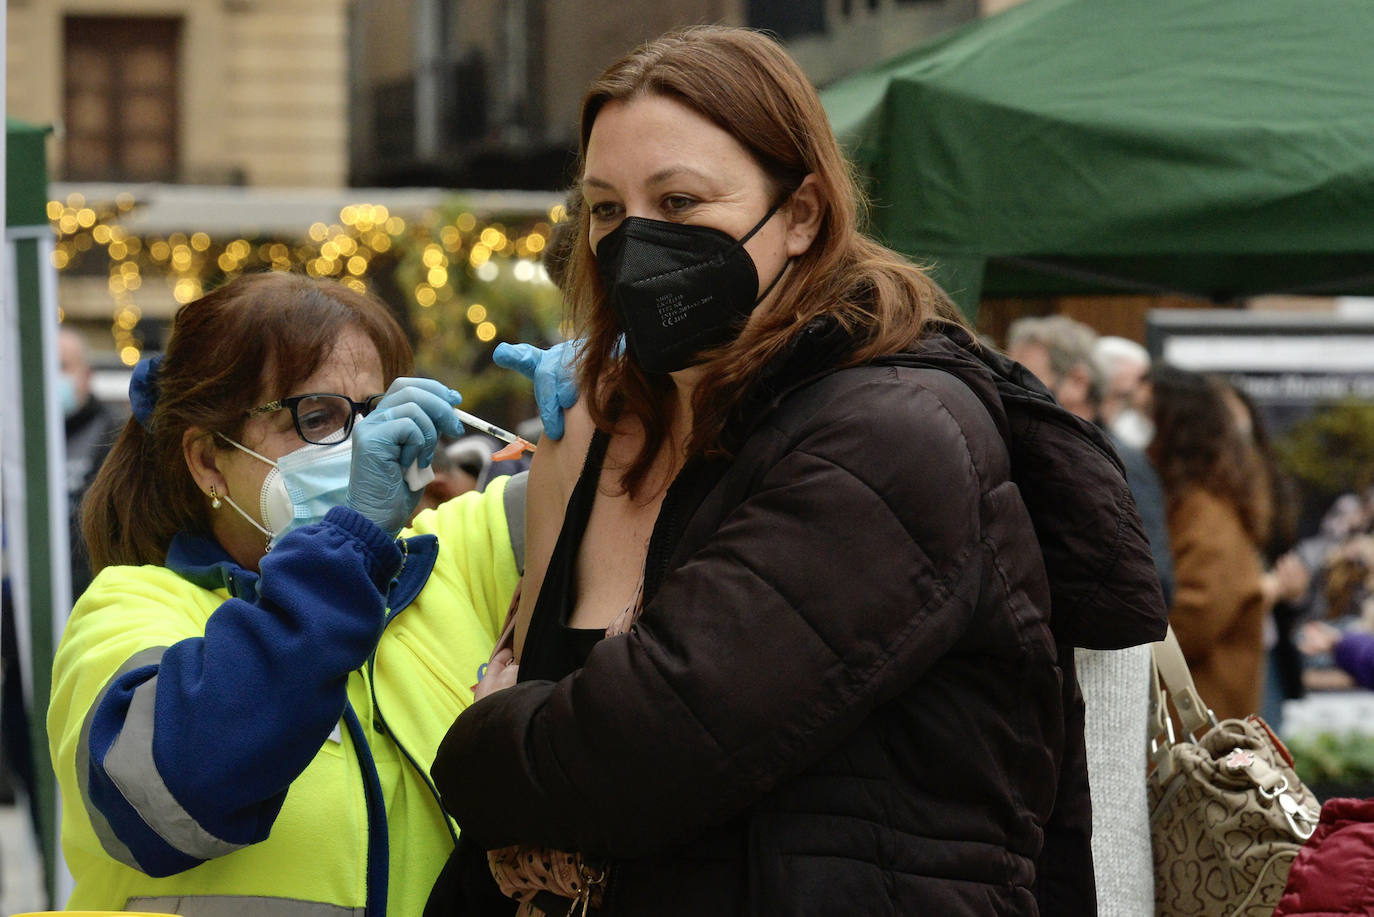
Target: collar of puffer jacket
(1104, 589)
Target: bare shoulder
(558, 462)
(554, 470)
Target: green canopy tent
(37, 564)
(1211, 147)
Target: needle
(491, 429)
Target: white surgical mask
(1133, 428)
(301, 487)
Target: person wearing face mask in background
(90, 432)
(1122, 365)
(784, 643)
(247, 698)
(1116, 683)
(90, 429)
(1287, 580)
(1064, 355)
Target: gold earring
(214, 498)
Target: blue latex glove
(401, 431)
(555, 379)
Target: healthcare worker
(247, 699)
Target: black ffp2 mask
(678, 290)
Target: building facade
(326, 93)
(484, 93)
(216, 120)
(194, 91)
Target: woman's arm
(184, 743)
(554, 471)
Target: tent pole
(48, 562)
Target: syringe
(416, 477)
(491, 429)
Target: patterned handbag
(1227, 811)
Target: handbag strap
(1159, 718)
(1170, 665)
(1159, 763)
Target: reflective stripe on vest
(238, 906)
(103, 831)
(129, 765)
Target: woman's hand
(500, 673)
(402, 431)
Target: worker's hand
(400, 433)
(555, 380)
(499, 674)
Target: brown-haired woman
(248, 696)
(1218, 507)
(787, 650)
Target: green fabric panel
(961, 276)
(26, 174)
(1195, 137)
(26, 198)
(27, 265)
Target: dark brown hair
(1198, 445)
(249, 342)
(562, 240)
(1273, 484)
(747, 84)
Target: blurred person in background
(90, 426)
(1058, 350)
(1122, 365)
(1287, 578)
(1342, 612)
(1115, 683)
(1063, 354)
(1349, 641)
(90, 430)
(1219, 512)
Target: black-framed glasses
(320, 418)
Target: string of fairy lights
(447, 262)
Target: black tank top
(552, 649)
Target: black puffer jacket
(843, 695)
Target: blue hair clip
(143, 389)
